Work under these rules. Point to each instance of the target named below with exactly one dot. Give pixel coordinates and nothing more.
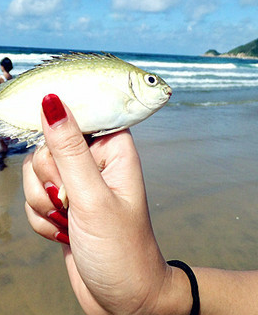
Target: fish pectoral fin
(108, 131)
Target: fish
(104, 93)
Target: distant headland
(247, 51)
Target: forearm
(227, 292)
(221, 292)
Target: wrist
(175, 297)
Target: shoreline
(230, 56)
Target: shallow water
(201, 170)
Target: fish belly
(96, 105)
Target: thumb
(70, 151)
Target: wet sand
(202, 189)
(201, 171)
(33, 278)
(205, 224)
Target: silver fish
(104, 93)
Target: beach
(199, 157)
(202, 192)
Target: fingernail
(59, 218)
(54, 110)
(62, 237)
(52, 192)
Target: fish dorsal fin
(75, 56)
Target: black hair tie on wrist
(194, 285)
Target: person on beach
(113, 260)
(6, 67)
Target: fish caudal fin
(22, 135)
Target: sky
(184, 27)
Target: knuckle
(38, 226)
(37, 222)
(27, 160)
(34, 219)
(41, 160)
(73, 145)
(38, 201)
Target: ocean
(200, 162)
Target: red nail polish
(52, 192)
(62, 237)
(54, 110)
(59, 218)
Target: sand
(33, 278)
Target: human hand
(113, 260)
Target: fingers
(122, 174)
(41, 181)
(40, 224)
(54, 230)
(70, 152)
(34, 191)
(42, 204)
(45, 167)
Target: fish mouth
(162, 101)
(168, 91)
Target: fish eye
(151, 79)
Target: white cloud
(249, 2)
(31, 15)
(202, 10)
(32, 7)
(57, 25)
(143, 28)
(197, 11)
(117, 16)
(144, 5)
(23, 27)
(81, 24)
(84, 21)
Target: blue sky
(187, 27)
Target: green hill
(248, 50)
(212, 53)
